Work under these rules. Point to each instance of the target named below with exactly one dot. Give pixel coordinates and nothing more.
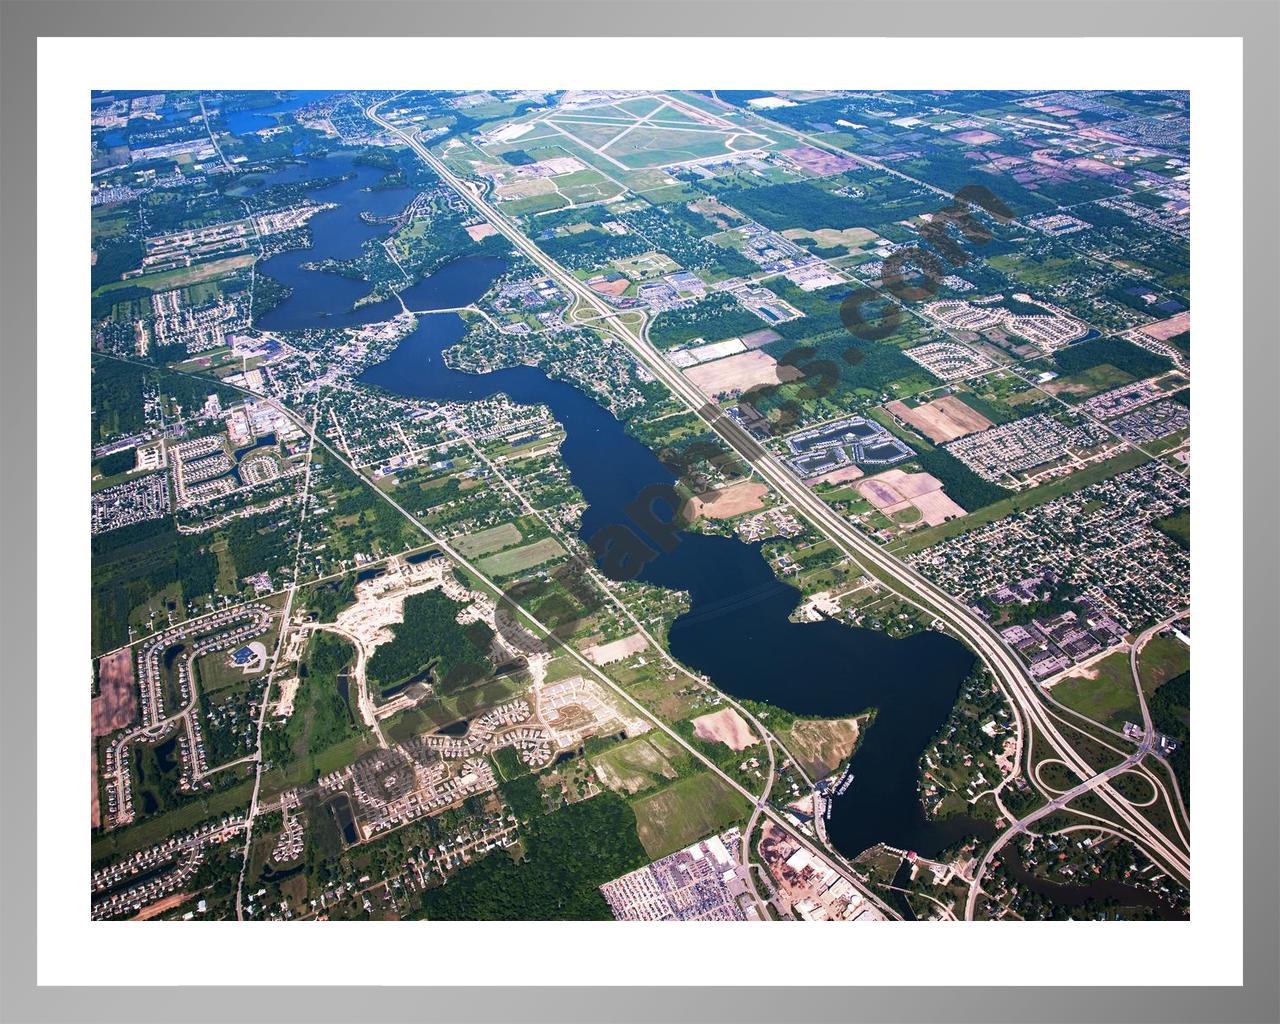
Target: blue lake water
(242, 122)
(737, 630)
(320, 298)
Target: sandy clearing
(288, 693)
(736, 374)
(943, 419)
(727, 502)
(526, 188)
(936, 507)
(893, 490)
(479, 232)
(1063, 386)
(880, 494)
(1079, 672)
(817, 606)
(715, 211)
(1162, 330)
(822, 744)
(616, 650)
(724, 726)
(161, 905)
(611, 287)
(837, 476)
(95, 812)
(820, 161)
(760, 338)
(632, 766)
(977, 137)
(910, 485)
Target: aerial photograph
(640, 505)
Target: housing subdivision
(165, 679)
(948, 360)
(1000, 453)
(1048, 328)
(124, 888)
(1118, 401)
(1103, 567)
(1055, 225)
(134, 501)
(1152, 422)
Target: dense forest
(431, 638)
(713, 318)
(1121, 354)
(568, 855)
(1170, 708)
(134, 563)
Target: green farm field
(519, 559)
(485, 542)
(685, 812)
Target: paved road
(1057, 803)
(205, 114)
(285, 615)
(1135, 651)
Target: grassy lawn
(1057, 776)
(1161, 659)
(1134, 786)
(1089, 382)
(1041, 271)
(685, 812)
(312, 765)
(432, 714)
(1110, 698)
(1177, 527)
(215, 674)
(632, 766)
(169, 279)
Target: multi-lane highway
(1057, 803)
(1013, 680)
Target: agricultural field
(684, 812)
(484, 542)
(520, 559)
(639, 764)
